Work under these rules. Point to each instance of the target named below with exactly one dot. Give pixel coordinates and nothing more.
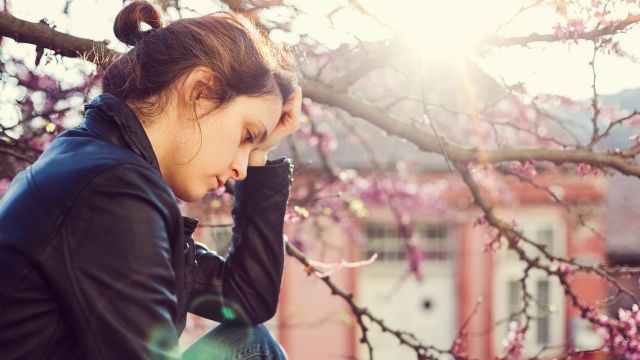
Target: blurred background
(536, 100)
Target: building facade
(458, 274)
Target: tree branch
(19, 155)
(325, 94)
(594, 100)
(422, 351)
(381, 59)
(612, 29)
(42, 35)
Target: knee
(243, 335)
(237, 342)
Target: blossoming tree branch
(493, 131)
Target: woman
(96, 261)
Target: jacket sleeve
(244, 287)
(118, 267)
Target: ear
(197, 83)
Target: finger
(293, 100)
(291, 110)
(294, 106)
(291, 118)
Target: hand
(289, 121)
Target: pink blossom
(578, 28)
(314, 141)
(513, 344)
(41, 142)
(526, 170)
(491, 235)
(566, 101)
(291, 217)
(27, 105)
(583, 169)
(327, 143)
(620, 335)
(564, 269)
(459, 346)
(298, 243)
(480, 221)
(492, 242)
(559, 32)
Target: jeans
(236, 342)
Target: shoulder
(82, 169)
(72, 163)
(128, 183)
(89, 195)
(124, 199)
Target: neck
(160, 134)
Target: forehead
(266, 109)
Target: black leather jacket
(94, 261)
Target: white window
(435, 242)
(542, 290)
(514, 301)
(384, 240)
(515, 304)
(541, 235)
(548, 303)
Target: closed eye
(249, 138)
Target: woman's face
(229, 135)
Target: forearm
(248, 281)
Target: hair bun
(127, 24)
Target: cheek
(216, 153)
(221, 136)
(186, 144)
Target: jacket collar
(114, 121)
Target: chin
(190, 195)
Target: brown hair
(242, 60)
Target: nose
(238, 173)
(239, 166)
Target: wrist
(258, 157)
